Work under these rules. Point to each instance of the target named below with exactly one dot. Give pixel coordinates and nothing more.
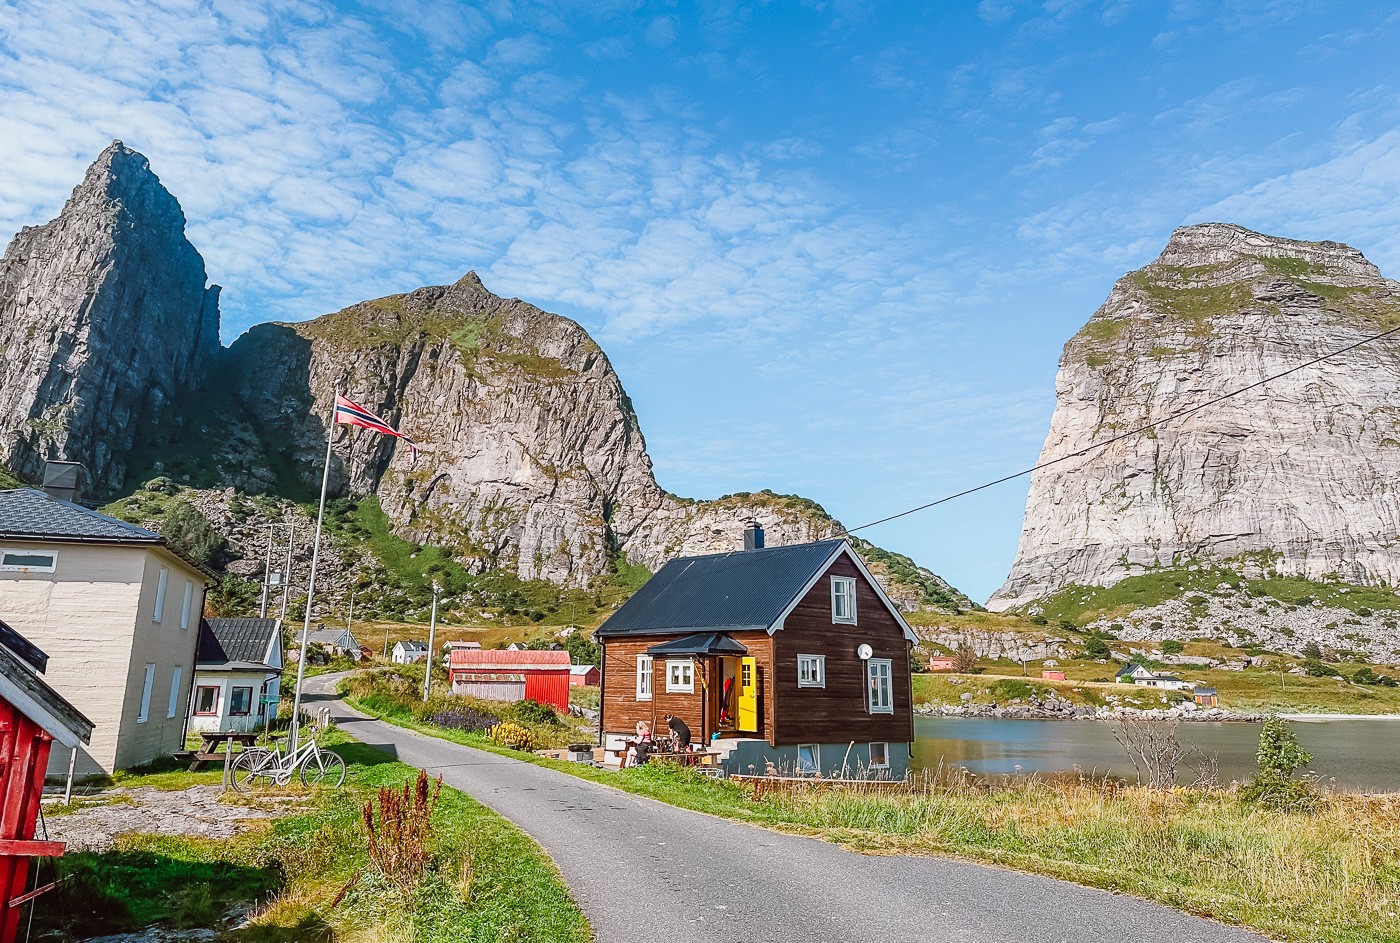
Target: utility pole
(432, 635)
(349, 620)
(267, 567)
(287, 576)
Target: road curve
(644, 871)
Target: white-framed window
(161, 580)
(843, 599)
(146, 694)
(28, 561)
(186, 605)
(879, 756)
(811, 671)
(809, 757)
(879, 673)
(174, 703)
(680, 676)
(643, 677)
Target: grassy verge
(1331, 874)
(490, 881)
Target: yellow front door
(748, 694)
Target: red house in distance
(512, 676)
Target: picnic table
(216, 745)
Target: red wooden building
(512, 676)
(32, 717)
(584, 676)
(790, 656)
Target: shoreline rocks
(1062, 710)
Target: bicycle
(273, 767)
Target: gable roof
(235, 643)
(30, 513)
(507, 660)
(412, 645)
(333, 637)
(736, 591)
(33, 697)
(582, 669)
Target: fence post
(228, 762)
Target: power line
(1127, 435)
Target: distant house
(450, 647)
(583, 675)
(517, 647)
(409, 651)
(1133, 673)
(1052, 674)
(118, 611)
(940, 663)
(792, 655)
(332, 642)
(512, 675)
(1205, 697)
(237, 674)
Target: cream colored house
(118, 613)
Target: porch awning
(702, 643)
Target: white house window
(843, 599)
(159, 612)
(881, 686)
(206, 700)
(185, 606)
(240, 701)
(811, 671)
(31, 561)
(643, 677)
(680, 677)
(809, 759)
(146, 694)
(879, 756)
(174, 703)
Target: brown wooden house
(787, 658)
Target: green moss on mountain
(8, 479)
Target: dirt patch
(199, 810)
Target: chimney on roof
(753, 536)
(63, 480)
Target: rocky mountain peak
(1227, 245)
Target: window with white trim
(880, 674)
(644, 677)
(159, 612)
(879, 756)
(186, 605)
(809, 759)
(811, 671)
(680, 676)
(146, 694)
(28, 561)
(173, 705)
(843, 599)
(206, 699)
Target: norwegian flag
(353, 414)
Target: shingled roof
(29, 513)
(235, 643)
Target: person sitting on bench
(639, 750)
(680, 734)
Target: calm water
(1354, 754)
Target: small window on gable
(843, 599)
(28, 561)
(879, 756)
(811, 671)
(680, 676)
(644, 677)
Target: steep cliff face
(1298, 477)
(105, 319)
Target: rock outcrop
(1297, 477)
(105, 321)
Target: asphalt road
(644, 871)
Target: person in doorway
(680, 734)
(639, 750)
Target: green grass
(491, 881)
(8, 479)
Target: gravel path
(645, 871)
(113, 812)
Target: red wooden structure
(546, 673)
(32, 716)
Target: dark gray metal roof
(701, 643)
(746, 589)
(28, 513)
(229, 641)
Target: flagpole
(311, 583)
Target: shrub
(1008, 688)
(1096, 648)
(1312, 650)
(533, 712)
(189, 532)
(1280, 756)
(512, 735)
(964, 659)
(1172, 647)
(1317, 669)
(399, 842)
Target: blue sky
(831, 248)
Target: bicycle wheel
(323, 768)
(251, 769)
